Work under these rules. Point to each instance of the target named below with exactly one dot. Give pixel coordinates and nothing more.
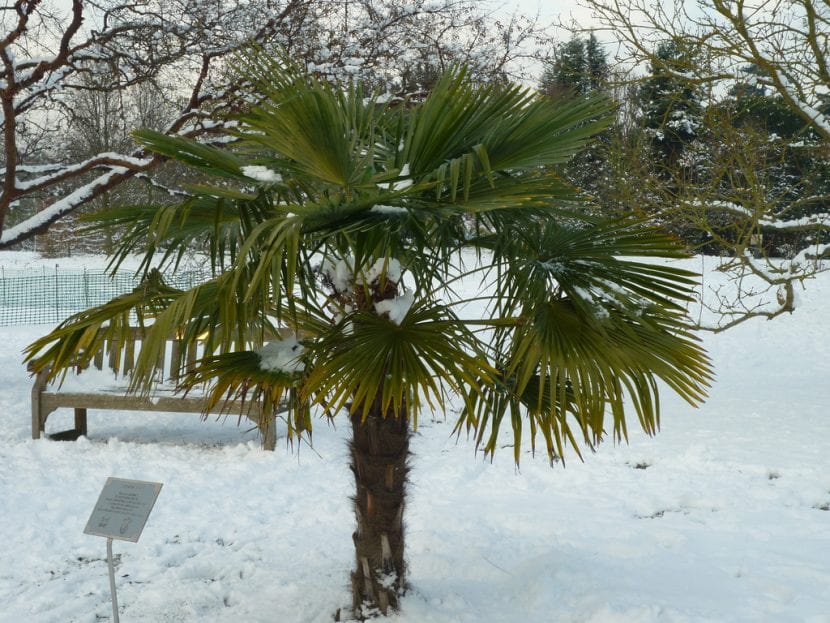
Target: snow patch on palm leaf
(282, 356)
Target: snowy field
(723, 517)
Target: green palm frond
(213, 313)
(582, 320)
(207, 159)
(370, 364)
(486, 411)
(566, 376)
(238, 377)
(165, 234)
(497, 127)
(75, 341)
(593, 328)
(595, 264)
(319, 130)
(563, 345)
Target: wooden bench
(46, 397)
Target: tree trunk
(380, 448)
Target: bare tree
(787, 42)
(181, 48)
(736, 193)
(101, 122)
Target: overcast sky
(550, 10)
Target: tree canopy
(343, 219)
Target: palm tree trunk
(380, 448)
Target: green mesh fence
(48, 296)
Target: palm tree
(341, 219)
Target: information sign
(122, 509)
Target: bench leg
(40, 411)
(37, 423)
(37, 417)
(80, 422)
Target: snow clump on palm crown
(341, 272)
(397, 308)
(282, 356)
(392, 271)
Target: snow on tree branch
(76, 78)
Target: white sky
(551, 11)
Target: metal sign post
(111, 567)
(120, 513)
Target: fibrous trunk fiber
(380, 448)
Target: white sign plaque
(122, 509)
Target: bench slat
(117, 401)
(46, 399)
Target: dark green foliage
(670, 101)
(579, 68)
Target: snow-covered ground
(724, 516)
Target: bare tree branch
(732, 183)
